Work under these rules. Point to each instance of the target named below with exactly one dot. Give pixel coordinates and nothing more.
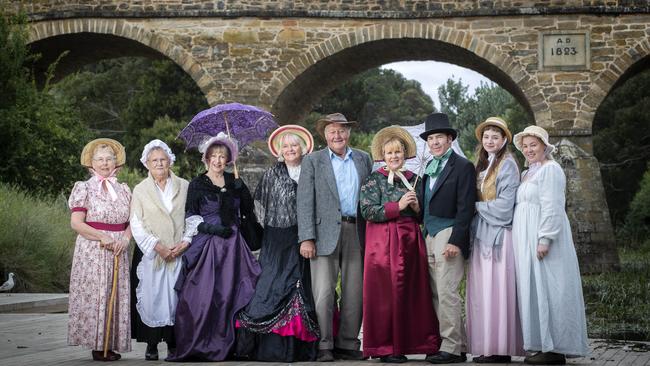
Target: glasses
(159, 161)
(103, 160)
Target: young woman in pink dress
(493, 330)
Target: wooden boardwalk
(40, 339)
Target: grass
(618, 303)
(36, 241)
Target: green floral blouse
(379, 200)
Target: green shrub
(617, 303)
(41, 135)
(130, 176)
(637, 221)
(36, 241)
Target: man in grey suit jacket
(328, 196)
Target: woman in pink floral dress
(100, 215)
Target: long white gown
(551, 305)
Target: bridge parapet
(403, 9)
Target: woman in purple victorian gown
(219, 271)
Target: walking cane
(107, 333)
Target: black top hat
(438, 123)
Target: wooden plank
(45, 335)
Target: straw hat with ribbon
(410, 149)
(495, 122)
(88, 151)
(536, 131)
(275, 139)
(388, 133)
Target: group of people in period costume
(394, 242)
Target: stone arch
(82, 32)
(632, 61)
(291, 92)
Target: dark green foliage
(41, 134)
(637, 220)
(188, 163)
(467, 111)
(123, 98)
(377, 98)
(622, 142)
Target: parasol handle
(421, 167)
(110, 306)
(416, 182)
(234, 163)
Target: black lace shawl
(275, 198)
(201, 189)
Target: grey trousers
(347, 259)
(445, 276)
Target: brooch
(223, 189)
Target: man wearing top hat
(449, 191)
(328, 196)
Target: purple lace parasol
(246, 123)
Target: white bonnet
(157, 144)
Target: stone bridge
(559, 58)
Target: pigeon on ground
(7, 286)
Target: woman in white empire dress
(548, 277)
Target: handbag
(252, 231)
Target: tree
(622, 142)
(377, 98)
(41, 133)
(188, 163)
(637, 220)
(453, 97)
(122, 97)
(466, 111)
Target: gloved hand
(218, 230)
(238, 184)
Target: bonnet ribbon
(400, 175)
(108, 182)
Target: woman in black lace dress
(279, 324)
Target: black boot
(546, 358)
(151, 354)
(171, 348)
